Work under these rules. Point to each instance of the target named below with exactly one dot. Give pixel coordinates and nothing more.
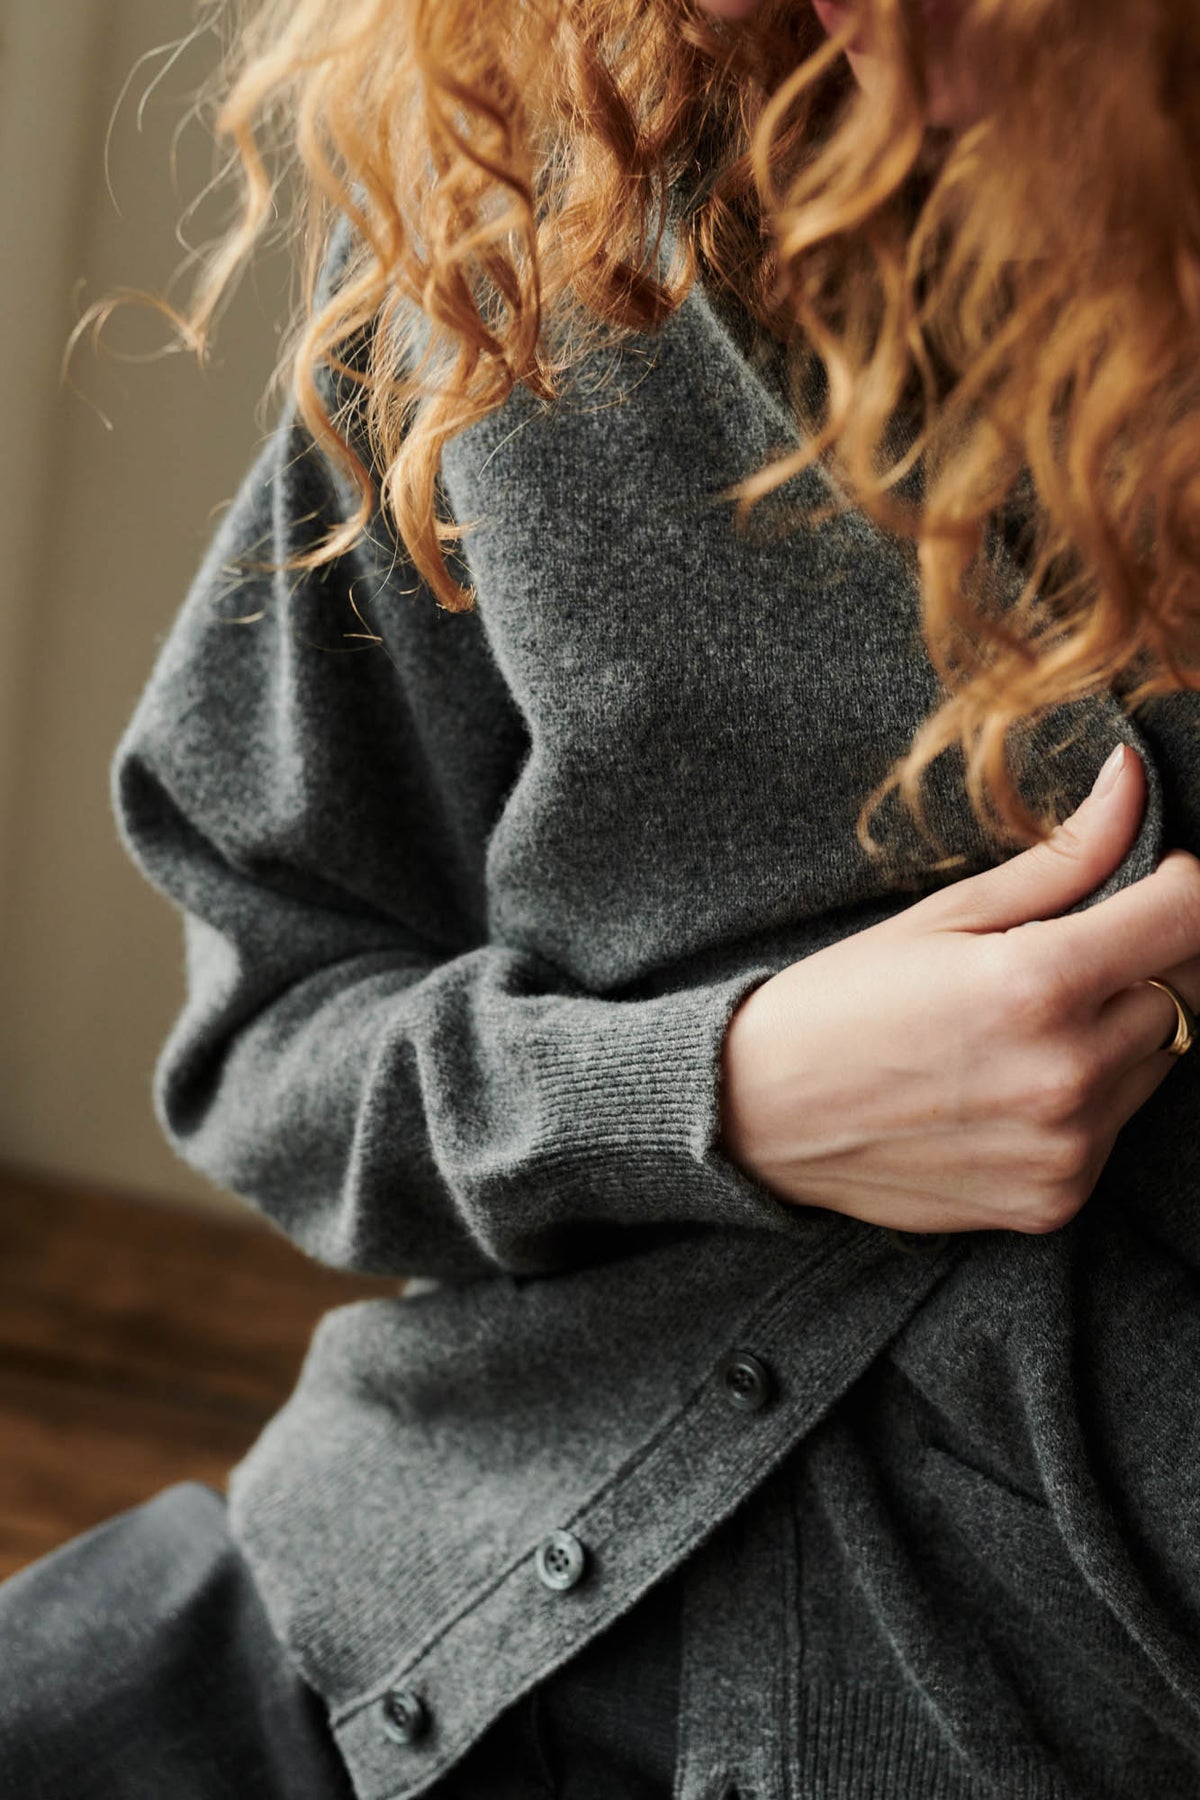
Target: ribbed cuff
(628, 1108)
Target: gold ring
(1185, 1021)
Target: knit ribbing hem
(864, 1743)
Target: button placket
(622, 1520)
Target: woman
(733, 960)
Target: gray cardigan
(469, 900)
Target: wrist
(735, 1131)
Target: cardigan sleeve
(312, 775)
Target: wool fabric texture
(469, 900)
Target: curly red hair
(1022, 297)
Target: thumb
(1077, 856)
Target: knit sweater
(469, 900)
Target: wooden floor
(139, 1345)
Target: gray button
(747, 1381)
(405, 1715)
(561, 1560)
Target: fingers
(1140, 1021)
(1074, 860)
(1142, 930)
(1133, 1027)
(1134, 1087)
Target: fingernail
(1110, 774)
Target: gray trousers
(137, 1663)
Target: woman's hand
(967, 1064)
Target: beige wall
(102, 529)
